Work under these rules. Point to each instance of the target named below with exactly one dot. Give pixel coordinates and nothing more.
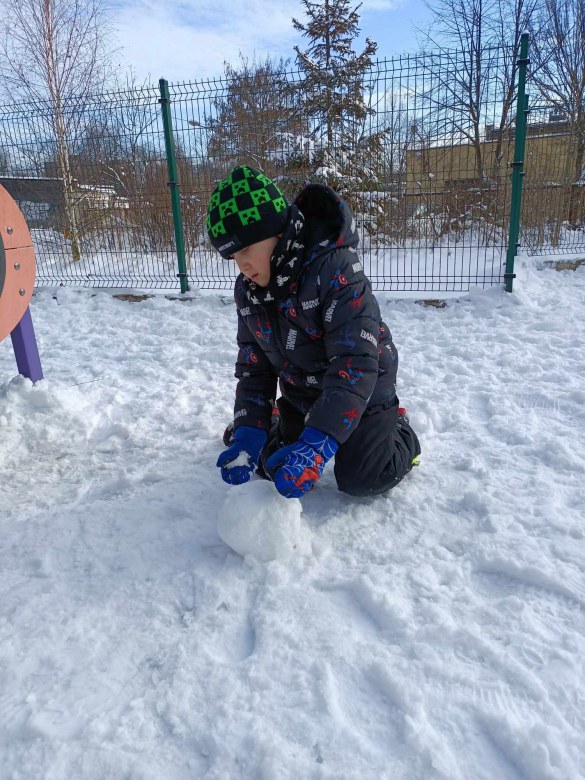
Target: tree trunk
(60, 126)
(499, 150)
(574, 197)
(328, 77)
(71, 227)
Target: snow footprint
(366, 706)
(501, 577)
(14, 715)
(221, 616)
(235, 640)
(543, 403)
(371, 608)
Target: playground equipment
(17, 278)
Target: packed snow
(257, 522)
(437, 631)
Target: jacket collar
(286, 263)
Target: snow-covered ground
(435, 632)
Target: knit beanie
(246, 207)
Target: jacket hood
(318, 221)
(328, 218)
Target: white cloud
(190, 41)
(380, 5)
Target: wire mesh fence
(92, 187)
(422, 159)
(553, 203)
(430, 196)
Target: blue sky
(184, 40)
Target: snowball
(256, 520)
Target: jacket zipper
(272, 307)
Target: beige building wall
(437, 168)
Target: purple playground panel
(17, 274)
(25, 347)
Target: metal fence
(426, 172)
(553, 201)
(427, 220)
(117, 189)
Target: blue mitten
(301, 464)
(240, 460)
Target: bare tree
(559, 74)
(257, 118)
(510, 20)
(53, 54)
(481, 41)
(458, 86)
(118, 142)
(114, 151)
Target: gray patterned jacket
(316, 328)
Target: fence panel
(425, 169)
(112, 181)
(429, 185)
(553, 208)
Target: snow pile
(256, 521)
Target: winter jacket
(316, 328)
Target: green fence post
(173, 183)
(518, 164)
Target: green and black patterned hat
(246, 207)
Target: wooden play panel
(17, 265)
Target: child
(308, 319)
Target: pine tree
(334, 73)
(346, 150)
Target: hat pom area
(245, 207)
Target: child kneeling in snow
(307, 317)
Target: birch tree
(54, 54)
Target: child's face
(254, 260)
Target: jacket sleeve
(256, 388)
(351, 325)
